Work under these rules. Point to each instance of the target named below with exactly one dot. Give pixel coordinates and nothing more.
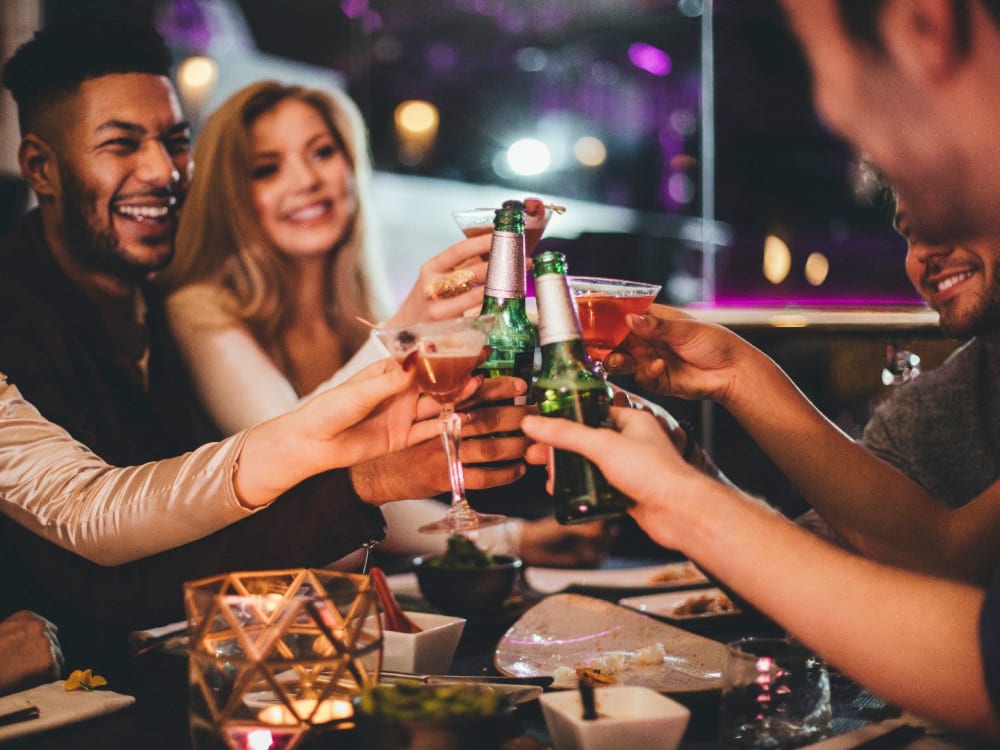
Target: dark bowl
(468, 591)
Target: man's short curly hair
(61, 57)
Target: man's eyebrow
(132, 127)
(121, 125)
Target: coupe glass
(476, 221)
(445, 353)
(603, 304)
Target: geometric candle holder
(277, 655)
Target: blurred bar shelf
(832, 318)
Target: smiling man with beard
(942, 429)
(82, 334)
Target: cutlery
(18, 715)
(897, 737)
(441, 679)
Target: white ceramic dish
(634, 717)
(666, 605)
(570, 630)
(429, 651)
(666, 576)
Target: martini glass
(476, 221)
(445, 353)
(602, 304)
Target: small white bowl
(428, 652)
(637, 717)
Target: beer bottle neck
(505, 277)
(557, 315)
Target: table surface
(158, 680)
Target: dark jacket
(80, 370)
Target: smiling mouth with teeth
(143, 213)
(946, 284)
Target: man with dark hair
(106, 151)
(915, 86)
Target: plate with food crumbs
(571, 636)
(666, 576)
(679, 606)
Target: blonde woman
(275, 265)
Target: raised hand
(448, 285)
(673, 354)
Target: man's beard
(98, 249)
(983, 319)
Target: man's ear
(38, 166)
(925, 37)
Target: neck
(104, 289)
(310, 290)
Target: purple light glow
(649, 58)
(799, 300)
(354, 8)
(563, 641)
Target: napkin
(58, 707)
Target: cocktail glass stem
(460, 516)
(451, 436)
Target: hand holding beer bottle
(567, 387)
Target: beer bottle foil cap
(505, 274)
(557, 315)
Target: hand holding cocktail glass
(602, 304)
(444, 354)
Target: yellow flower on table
(83, 679)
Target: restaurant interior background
(679, 134)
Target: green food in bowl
(462, 552)
(416, 701)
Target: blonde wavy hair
(220, 239)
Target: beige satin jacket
(59, 489)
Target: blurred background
(679, 134)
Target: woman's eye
(262, 171)
(326, 152)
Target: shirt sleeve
(58, 489)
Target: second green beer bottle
(567, 387)
(512, 338)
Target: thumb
(357, 397)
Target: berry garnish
(533, 207)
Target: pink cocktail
(444, 354)
(602, 304)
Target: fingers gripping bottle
(567, 387)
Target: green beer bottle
(513, 337)
(567, 387)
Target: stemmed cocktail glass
(602, 304)
(476, 221)
(445, 353)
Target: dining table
(158, 679)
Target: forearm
(59, 490)
(871, 504)
(871, 621)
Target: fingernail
(641, 321)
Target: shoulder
(202, 305)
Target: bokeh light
(817, 268)
(590, 151)
(777, 259)
(529, 156)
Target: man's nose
(926, 251)
(156, 165)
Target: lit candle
(328, 710)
